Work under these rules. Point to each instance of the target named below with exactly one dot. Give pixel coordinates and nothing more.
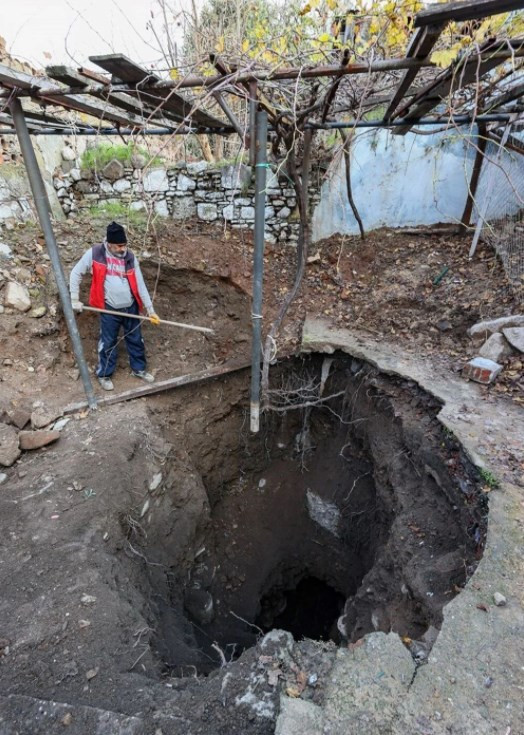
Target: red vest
(99, 271)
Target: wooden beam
(511, 94)
(461, 73)
(420, 47)
(464, 10)
(124, 70)
(41, 87)
(169, 384)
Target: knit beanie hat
(116, 234)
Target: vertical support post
(489, 190)
(42, 208)
(482, 141)
(258, 265)
(252, 122)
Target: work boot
(106, 383)
(143, 375)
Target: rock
(207, 212)
(37, 439)
(184, 183)
(137, 206)
(496, 348)
(482, 330)
(38, 312)
(199, 605)
(247, 213)
(106, 187)
(113, 170)
(277, 643)
(17, 296)
(137, 160)
(444, 326)
(237, 176)
(3, 478)
(75, 174)
(9, 445)
(156, 180)
(299, 716)
(68, 153)
(481, 370)
(196, 168)
(228, 212)
(43, 417)
(122, 185)
(499, 599)
(19, 417)
(61, 423)
(184, 208)
(161, 208)
(284, 213)
(5, 251)
(515, 336)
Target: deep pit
(351, 511)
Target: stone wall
(200, 190)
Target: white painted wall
(402, 181)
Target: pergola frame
(134, 100)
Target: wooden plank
(457, 76)
(41, 86)
(123, 69)
(420, 47)
(169, 384)
(122, 101)
(464, 10)
(511, 94)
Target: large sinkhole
(352, 510)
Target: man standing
(117, 283)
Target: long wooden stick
(148, 319)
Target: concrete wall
(402, 181)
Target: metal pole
(258, 264)
(42, 207)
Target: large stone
(9, 445)
(156, 180)
(482, 330)
(207, 212)
(19, 417)
(43, 417)
(197, 168)
(515, 336)
(184, 183)
(247, 213)
(106, 187)
(183, 208)
(236, 177)
(5, 251)
(121, 185)
(229, 212)
(367, 685)
(17, 296)
(37, 439)
(113, 170)
(68, 154)
(75, 174)
(299, 716)
(496, 348)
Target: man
(117, 284)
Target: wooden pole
(482, 141)
(148, 319)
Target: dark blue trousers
(110, 326)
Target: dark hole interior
(353, 513)
(310, 610)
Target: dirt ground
(104, 530)
(202, 275)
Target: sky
(69, 31)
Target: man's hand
(77, 305)
(154, 319)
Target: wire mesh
(501, 201)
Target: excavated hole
(351, 511)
